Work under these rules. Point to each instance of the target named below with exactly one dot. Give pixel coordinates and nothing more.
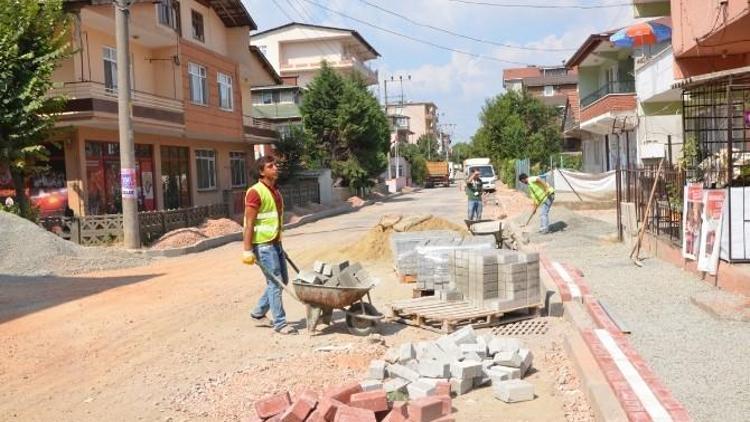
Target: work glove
(248, 258)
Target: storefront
(47, 191)
(103, 177)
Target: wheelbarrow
(361, 317)
(487, 227)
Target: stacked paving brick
(339, 274)
(462, 359)
(498, 279)
(353, 403)
(404, 247)
(433, 269)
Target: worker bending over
(543, 196)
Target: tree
(413, 155)
(460, 152)
(34, 37)
(349, 129)
(290, 151)
(428, 146)
(517, 125)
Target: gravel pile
(29, 250)
(191, 235)
(703, 360)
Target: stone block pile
(433, 261)
(404, 247)
(352, 403)
(337, 274)
(462, 359)
(499, 279)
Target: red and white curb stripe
(639, 391)
(568, 280)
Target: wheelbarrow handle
(289, 260)
(278, 281)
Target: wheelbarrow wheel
(361, 326)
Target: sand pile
(189, 236)
(27, 249)
(375, 244)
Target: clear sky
(458, 83)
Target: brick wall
(612, 102)
(209, 119)
(571, 91)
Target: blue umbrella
(640, 34)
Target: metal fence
(106, 229)
(296, 193)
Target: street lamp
(128, 179)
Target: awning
(711, 77)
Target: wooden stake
(637, 247)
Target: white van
(486, 172)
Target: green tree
(460, 152)
(34, 37)
(349, 129)
(517, 125)
(290, 152)
(428, 146)
(414, 156)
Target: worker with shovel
(543, 195)
(264, 210)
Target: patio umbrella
(640, 34)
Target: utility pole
(125, 126)
(385, 85)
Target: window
(168, 12)
(286, 97)
(226, 101)
(237, 166)
(549, 90)
(267, 98)
(205, 160)
(110, 69)
(198, 89)
(197, 20)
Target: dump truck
(437, 174)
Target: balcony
(615, 87)
(259, 131)
(655, 77)
(370, 75)
(90, 99)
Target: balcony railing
(91, 89)
(352, 62)
(253, 122)
(616, 87)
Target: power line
(456, 34)
(541, 6)
(419, 40)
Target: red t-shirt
(252, 200)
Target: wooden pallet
(417, 292)
(407, 278)
(442, 316)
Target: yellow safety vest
(267, 221)
(537, 193)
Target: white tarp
(596, 186)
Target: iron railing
(92, 89)
(615, 87)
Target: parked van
(486, 171)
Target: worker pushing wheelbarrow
(327, 288)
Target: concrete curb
(215, 242)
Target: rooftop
(351, 32)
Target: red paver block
(443, 388)
(272, 405)
(327, 408)
(447, 404)
(398, 413)
(447, 418)
(354, 414)
(309, 395)
(298, 411)
(375, 400)
(343, 393)
(315, 417)
(426, 409)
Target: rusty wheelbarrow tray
(361, 317)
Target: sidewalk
(701, 359)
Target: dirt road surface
(173, 341)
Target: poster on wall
(692, 219)
(127, 178)
(711, 230)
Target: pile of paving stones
(404, 247)
(463, 359)
(339, 274)
(351, 403)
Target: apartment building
(606, 89)
(422, 119)
(191, 73)
(555, 86)
(297, 49)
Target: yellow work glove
(248, 257)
